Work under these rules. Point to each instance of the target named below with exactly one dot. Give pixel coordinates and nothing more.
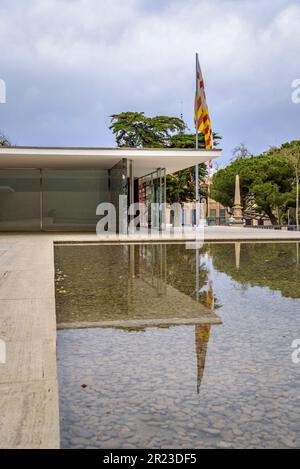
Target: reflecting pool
(160, 346)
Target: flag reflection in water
(202, 334)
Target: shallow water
(130, 379)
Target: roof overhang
(145, 160)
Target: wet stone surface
(138, 388)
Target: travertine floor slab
(21, 319)
(29, 416)
(26, 284)
(29, 333)
(20, 257)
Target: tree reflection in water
(272, 265)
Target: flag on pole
(201, 113)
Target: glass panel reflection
(19, 200)
(70, 198)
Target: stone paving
(211, 233)
(28, 380)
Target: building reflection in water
(134, 287)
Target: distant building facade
(213, 212)
(217, 214)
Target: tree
(181, 186)
(241, 151)
(134, 129)
(266, 184)
(189, 140)
(291, 151)
(4, 141)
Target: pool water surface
(160, 346)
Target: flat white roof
(145, 160)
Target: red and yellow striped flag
(201, 114)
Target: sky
(69, 65)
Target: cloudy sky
(69, 64)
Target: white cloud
(90, 56)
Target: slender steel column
(131, 177)
(197, 147)
(165, 201)
(197, 274)
(160, 199)
(41, 200)
(152, 201)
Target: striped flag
(201, 114)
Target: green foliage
(134, 129)
(292, 148)
(181, 186)
(183, 141)
(291, 151)
(266, 178)
(189, 140)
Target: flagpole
(197, 188)
(197, 148)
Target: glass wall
(70, 198)
(51, 200)
(66, 200)
(152, 190)
(20, 200)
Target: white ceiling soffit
(145, 160)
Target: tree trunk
(297, 204)
(272, 217)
